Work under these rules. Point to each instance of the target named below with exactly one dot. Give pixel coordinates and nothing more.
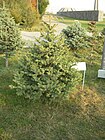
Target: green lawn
(82, 117)
(69, 21)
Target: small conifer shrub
(75, 36)
(46, 72)
(10, 38)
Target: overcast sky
(56, 5)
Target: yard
(82, 117)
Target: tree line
(23, 11)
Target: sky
(56, 5)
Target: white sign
(101, 73)
(80, 66)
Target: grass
(23, 120)
(35, 28)
(80, 118)
(69, 21)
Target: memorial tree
(10, 38)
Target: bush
(75, 36)
(46, 72)
(96, 41)
(103, 31)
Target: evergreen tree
(46, 72)
(95, 42)
(75, 36)
(42, 5)
(9, 34)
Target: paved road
(29, 35)
(32, 35)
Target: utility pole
(101, 72)
(95, 5)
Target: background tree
(24, 12)
(42, 5)
(9, 34)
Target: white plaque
(101, 73)
(80, 66)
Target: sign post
(81, 66)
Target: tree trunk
(6, 60)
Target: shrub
(96, 41)
(103, 31)
(9, 34)
(75, 36)
(45, 72)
